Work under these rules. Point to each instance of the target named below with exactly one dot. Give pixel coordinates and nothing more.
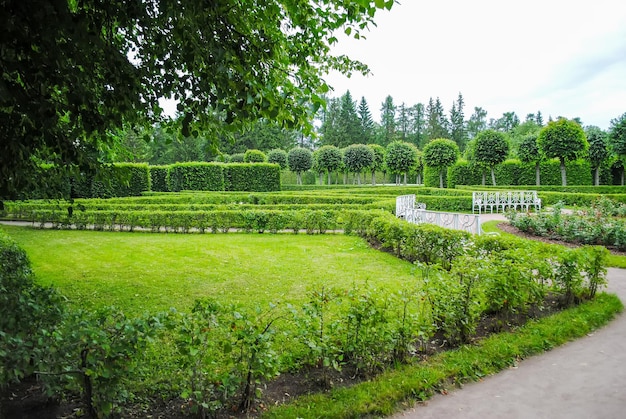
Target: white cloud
(559, 57)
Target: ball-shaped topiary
(254, 156)
(278, 156)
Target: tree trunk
(397, 179)
(329, 179)
(493, 177)
(321, 178)
(345, 178)
(622, 179)
(373, 178)
(441, 179)
(484, 178)
(358, 178)
(537, 174)
(563, 174)
(404, 178)
(298, 178)
(596, 176)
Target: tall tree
(477, 122)
(400, 157)
(72, 70)
(388, 121)
(528, 152)
(418, 125)
(458, 131)
(367, 123)
(348, 123)
(563, 139)
(329, 130)
(378, 153)
(617, 137)
(436, 122)
(505, 123)
(598, 150)
(299, 160)
(403, 123)
(328, 160)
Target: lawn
(140, 272)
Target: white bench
(503, 200)
(406, 207)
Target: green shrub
(196, 176)
(237, 158)
(254, 156)
(158, 178)
(279, 157)
(121, 179)
(254, 177)
(29, 311)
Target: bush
(237, 158)
(279, 157)
(121, 179)
(158, 178)
(254, 156)
(257, 177)
(196, 176)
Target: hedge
(196, 176)
(121, 179)
(259, 177)
(158, 178)
(514, 172)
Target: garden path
(582, 379)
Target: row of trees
(562, 139)
(344, 122)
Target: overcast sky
(563, 58)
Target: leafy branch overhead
(72, 70)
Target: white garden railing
(416, 213)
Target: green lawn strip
(400, 388)
(146, 272)
(613, 261)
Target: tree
(348, 123)
(357, 158)
(477, 122)
(562, 139)
(418, 125)
(436, 122)
(330, 129)
(617, 137)
(299, 160)
(399, 158)
(492, 148)
(367, 123)
(72, 70)
(388, 120)
(441, 153)
(328, 159)
(598, 150)
(378, 152)
(277, 156)
(458, 132)
(260, 135)
(506, 123)
(403, 122)
(528, 152)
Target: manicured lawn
(140, 272)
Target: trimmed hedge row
(514, 172)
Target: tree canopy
(491, 149)
(562, 139)
(73, 70)
(441, 153)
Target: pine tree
(403, 123)
(367, 123)
(388, 121)
(330, 129)
(477, 122)
(418, 125)
(458, 132)
(437, 124)
(349, 125)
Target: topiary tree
(400, 157)
(358, 157)
(491, 149)
(278, 156)
(254, 156)
(328, 160)
(379, 160)
(528, 152)
(299, 160)
(419, 166)
(598, 150)
(562, 139)
(441, 153)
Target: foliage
(257, 177)
(158, 178)
(299, 160)
(328, 159)
(121, 179)
(196, 176)
(357, 158)
(237, 158)
(400, 157)
(492, 148)
(28, 311)
(277, 156)
(440, 153)
(562, 139)
(528, 152)
(378, 161)
(598, 150)
(227, 65)
(254, 156)
(617, 134)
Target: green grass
(140, 272)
